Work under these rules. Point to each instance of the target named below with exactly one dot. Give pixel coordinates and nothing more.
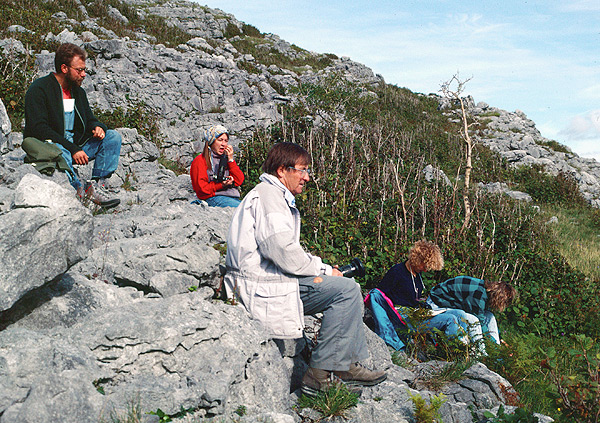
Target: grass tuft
(335, 401)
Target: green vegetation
(267, 55)
(576, 235)
(137, 115)
(427, 413)
(576, 377)
(369, 200)
(490, 114)
(16, 73)
(132, 414)
(449, 373)
(435, 345)
(40, 12)
(520, 415)
(334, 401)
(547, 189)
(241, 410)
(556, 146)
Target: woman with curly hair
(475, 297)
(403, 286)
(403, 283)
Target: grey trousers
(341, 340)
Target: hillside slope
(388, 170)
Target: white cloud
(581, 6)
(583, 127)
(582, 134)
(590, 93)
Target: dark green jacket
(45, 116)
(45, 156)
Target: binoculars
(354, 269)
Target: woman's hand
(229, 152)
(227, 181)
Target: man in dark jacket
(57, 110)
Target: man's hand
(80, 157)
(229, 152)
(336, 272)
(98, 132)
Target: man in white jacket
(278, 282)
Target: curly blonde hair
(500, 295)
(426, 253)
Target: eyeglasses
(79, 70)
(303, 171)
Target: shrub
(248, 67)
(268, 55)
(427, 413)
(577, 394)
(252, 31)
(370, 200)
(231, 30)
(549, 189)
(136, 115)
(17, 72)
(556, 146)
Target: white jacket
(265, 258)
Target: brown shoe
(87, 193)
(317, 380)
(359, 375)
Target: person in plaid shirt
(476, 297)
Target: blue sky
(541, 57)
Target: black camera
(354, 269)
(222, 168)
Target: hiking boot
(360, 375)
(87, 193)
(103, 186)
(317, 380)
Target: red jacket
(202, 186)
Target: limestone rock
(45, 233)
(5, 128)
(47, 378)
(433, 174)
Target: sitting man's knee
(113, 136)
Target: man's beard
(73, 83)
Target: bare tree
(452, 90)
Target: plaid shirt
(465, 293)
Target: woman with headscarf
(214, 173)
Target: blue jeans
(105, 153)
(451, 322)
(472, 325)
(222, 201)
